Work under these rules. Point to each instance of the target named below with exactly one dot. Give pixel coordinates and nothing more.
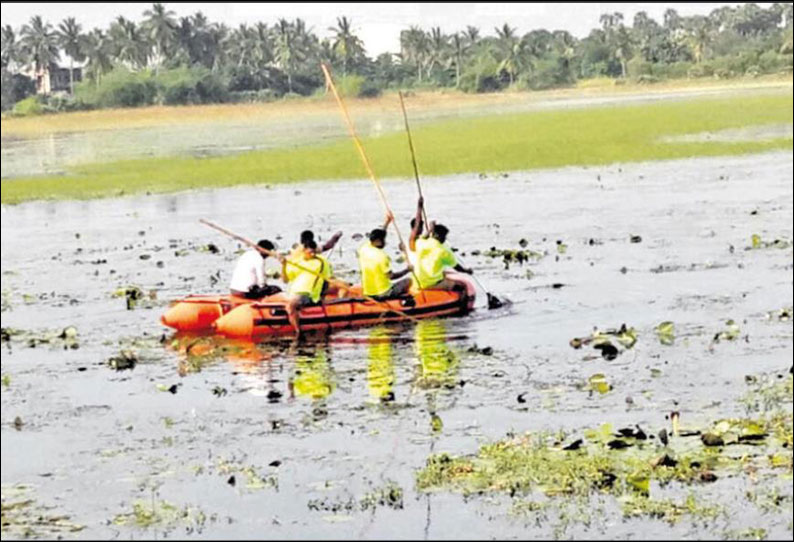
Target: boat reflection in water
(308, 367)
(438, 366)
(312, 376)
(438, 363)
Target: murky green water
(305, 430)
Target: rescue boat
(199, 312)
(238, 317)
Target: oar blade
(494, 302)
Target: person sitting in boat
(376, 273)
(433, 256)
(307, 282)
(298, 253)
(307, 236)
(248, 279)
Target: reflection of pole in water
(437, 367)
(431, 403)
(380, 364)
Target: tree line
(169, 59)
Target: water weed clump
(23, 517)
(163, 515)
(628, 464)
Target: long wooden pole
(280, 257)
(413, 156)
(351, 128)
(493, 301)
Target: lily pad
(127, 359)
(639, 482)
(666, 333)
(730, 333)
(598, 382)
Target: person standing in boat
(376, 273)
(307, 285)
(248, 279)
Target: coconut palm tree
(241, 45)
(622, 47)
(472, 36)
(438, 48)
(97, 51)
(515, 60)
(39, 43)
(509, 50)
(214, 52)
(565, 46)
(699, 36)
(129, 43)
(12, 54)
(262, 49)
(284, 49)
(458, 46)
(184, 41)
(208, 41)
(159, 27)
(72, 41)
(414, 48)
(346, 44)
(328, 53)
(506, 34)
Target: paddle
(280, 257)
(493, 301)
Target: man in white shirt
(248, 279)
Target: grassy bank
(540, 139)
(419, 102)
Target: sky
(377, 24)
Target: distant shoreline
(486, 143)
(424, 100)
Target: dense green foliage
(588, 136)
(191, 60)
(15, 87)
(122, 88)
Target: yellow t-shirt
(432, 258)
(302, 282)
(375, 269)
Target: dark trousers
(257, 292)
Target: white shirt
(250, 271)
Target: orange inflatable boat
(241, 318)
(199, 312)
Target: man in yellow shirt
(376, 273)
(305, 287)
(432, 258)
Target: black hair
(310, 244)
(265, 244)
(378, 234)
(306, 236)
(440, 232)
